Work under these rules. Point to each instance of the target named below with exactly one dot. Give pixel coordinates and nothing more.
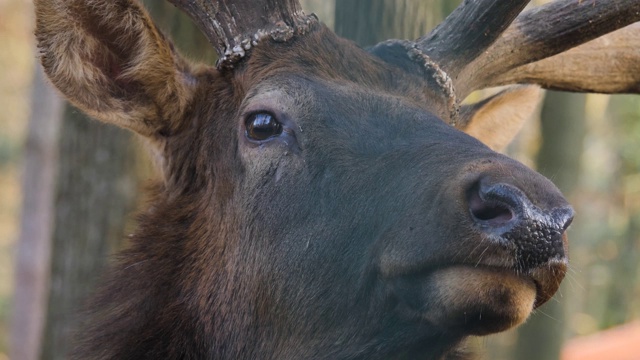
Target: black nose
(504, 211)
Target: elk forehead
(324, 56)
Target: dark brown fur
(348, 236)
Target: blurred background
(68, 188)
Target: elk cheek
(476, 301)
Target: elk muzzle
(534, 236)
(503, 251)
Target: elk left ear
(109, 59)
(496, 120)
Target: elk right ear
(497, 120)
(109, 59)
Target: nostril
(493, 213)
(533, 232)
(489, 211)
(564, 216)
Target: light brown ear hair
(110, 60)
(496, 120)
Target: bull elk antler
(477, 47)
(483, 43)
(233, 27)
(544, 32)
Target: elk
(322, 201)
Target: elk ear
(109, 59)
(496, 120)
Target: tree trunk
(563, 132)
(324, 9)
(624, 274)
(369, 22)
(622, 291)
(184, 34)
(34, 242)
(95, 192)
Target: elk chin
(467, 300)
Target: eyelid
(280, 116)
(250, 114)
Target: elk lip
(467, 299)
(544, 278)
(547, 278)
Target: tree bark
(324, 9)
(621, 292)
(34, 242)
(370, 22)
(189, 40)
(95, 192)
(563, 131)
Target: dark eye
(261, 126)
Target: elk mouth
(486, 291)
(471, 299)
(512, 260)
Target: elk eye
(261, 126)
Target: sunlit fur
(506, 111)
(111, 61)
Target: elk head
(316, 201)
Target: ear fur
(109, 59)
(496, 120)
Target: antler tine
(468, 31)
(609, 64)
(234, 26)
(462, 37)
(552, 29)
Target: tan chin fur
(479, 300)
